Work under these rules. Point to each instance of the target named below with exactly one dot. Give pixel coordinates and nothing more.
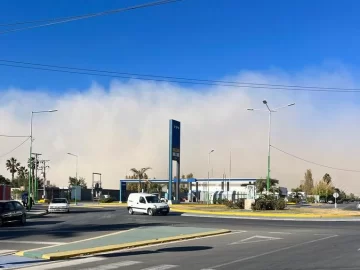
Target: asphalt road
(253, 244)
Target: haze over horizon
(125, 124)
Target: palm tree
(140, 174)
(22, 176)
(12, 165)
(32, 165)
(22, 172)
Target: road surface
(253, 244)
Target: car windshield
(59, 201)
(152, 199)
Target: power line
(15, 148)
(192, 80)
(315, 163)
(13, 136)
(80, 17)
(181, 80)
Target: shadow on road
(161, 250)
(66, 230)
(5, 265)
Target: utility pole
(35, 185)
(44, 167)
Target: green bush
(107, 200)
(268, 203)
(240, 203)
(280, 204)
(310, 200)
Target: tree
(4, 180)
(261, 185)
(140, 174)
(298, 189)
(12, 165)
(33, 164)
(322, 189)
(156, 188)
(327, 178)
(22, 178)
(308, 182)
(77, 182)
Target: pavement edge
(90, 251)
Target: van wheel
(131, 211)
(150, 212)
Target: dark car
(12, 211)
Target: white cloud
(126, 125)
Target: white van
(147, 204)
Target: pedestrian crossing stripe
(7, 251)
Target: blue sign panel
(175, 139)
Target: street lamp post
(76, 171)
(208, 189)
(269, 137)
(31, 141)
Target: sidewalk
(136, 237)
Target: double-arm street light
(76, 184)
(269, 136)
(31, 141)
(208, 188)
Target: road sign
(336, 195)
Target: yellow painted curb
(74, 253)
(257, 214)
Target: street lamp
(269, 136)
(31, 141)
(212, 150)
(76, 171)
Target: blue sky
(206, 39)
(284, 42)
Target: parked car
(12, 211)
(59, 205)
(147, 204)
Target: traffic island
(132, 238)
(291, 214)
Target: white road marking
(51, 265)
(161, 267)
(112, 265)
(280, 232)
(6, 251)
(31, 242)
(273, 251)
(248, 240)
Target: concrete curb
(275, 218)
(81, 252)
